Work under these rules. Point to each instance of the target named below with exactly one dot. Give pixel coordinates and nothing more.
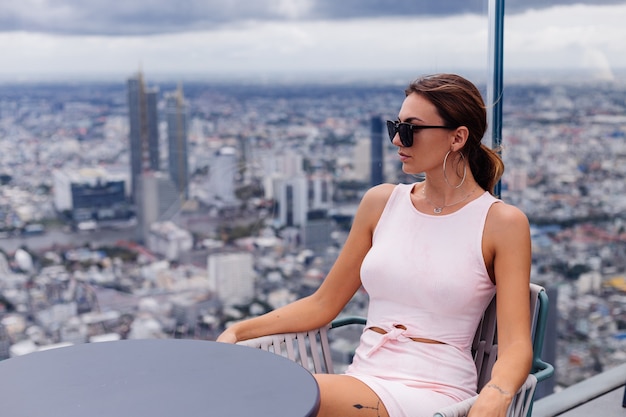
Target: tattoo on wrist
(500, 390)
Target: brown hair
(459, 103)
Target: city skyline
(564, 158)
(303, 37)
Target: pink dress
(426, 273)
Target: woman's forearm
(512, 368)
(301, 315)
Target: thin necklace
(438, 209)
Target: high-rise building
(143, 132)
(292, 197)
(231, 276)
(158, 201)
(274, 166)
(361, 165)
(317, 231)
(177, 119)
(321, 190)
(91, 194)
(222, 173)
(376, 154)
(288, 163)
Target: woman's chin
(410, 171)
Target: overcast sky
(253, 38)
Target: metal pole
(496, 43)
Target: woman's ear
(460, 135)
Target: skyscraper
(158, 200)
(176, 114)
(376, 154)
(292, 196)
(222, 176)
(144, 132)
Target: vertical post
(495, 82)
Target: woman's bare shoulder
(377, 195)
(506, 223)
(503, 213)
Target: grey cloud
(377, 8)
(134, 17)
(144, 17)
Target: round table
(156, 378)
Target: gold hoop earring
(445, 175)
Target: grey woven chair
(312, 350)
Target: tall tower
(376, 154)
(176, 113)
(222, 173)
(292, 195)
(144, 132)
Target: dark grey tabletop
(155, 378)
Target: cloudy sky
(109, 38)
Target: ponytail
(486, 166)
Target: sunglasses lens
(404, 130)
(406, 135)
(391, 129)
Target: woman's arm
(507, 242)
(342, 281)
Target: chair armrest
(542, 370)
(344, 321)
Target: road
(62, 238)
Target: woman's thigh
(345, 396)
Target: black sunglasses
(407, 130)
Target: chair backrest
(485, 346)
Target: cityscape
(138, 209)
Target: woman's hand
(227, 336)
(492, 402)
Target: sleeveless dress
(427, 274)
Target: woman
(430, 255)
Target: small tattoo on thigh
(361, 407)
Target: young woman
(430, 255)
